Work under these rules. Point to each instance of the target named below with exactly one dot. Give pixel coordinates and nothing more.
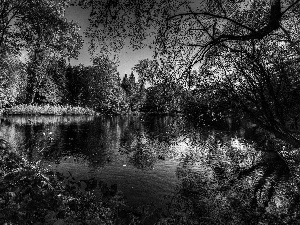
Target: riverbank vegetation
(24, 109)
(30, 194)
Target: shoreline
(47, 110)
(68, 110)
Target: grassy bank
(24, 109)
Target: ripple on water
(139, 186)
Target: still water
(163, 161)
(128, 151)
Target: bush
(31, 195)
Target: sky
(128, 58)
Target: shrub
(31, 195)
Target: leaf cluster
(29, 195)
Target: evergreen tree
(125, 84)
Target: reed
(24, 109)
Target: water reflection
(210, 175)
(117, 150)
(234, 183)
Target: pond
(165, 162)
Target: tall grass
(24, 109)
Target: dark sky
(128, 57)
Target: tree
(77, 84)
(132, 84)
(148, 71)
(206, 99)
(184, 33)
(157, 71)
(13, 80)
(188, 30)
(37, 24)
(97, 87)
(261, 79)
(46, 79)
(166, 91)
(125, 84)
(39, 28)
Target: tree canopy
(38, 24)
(39, 29)
(187, 31)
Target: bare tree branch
(291, 6)
(213, 16)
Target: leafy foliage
(38, 28)
(208, 102)
(184, 31)
(97, 87)
(38, 24)
(166, 92)
(12, 80)
(46, 80)
(161, 99)
(135, 92)
(30, 195)
(260, 78)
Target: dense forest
(97, 87)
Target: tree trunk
(286, 136)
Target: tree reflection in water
(146, 146)
(234, 183)
(223, 180)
